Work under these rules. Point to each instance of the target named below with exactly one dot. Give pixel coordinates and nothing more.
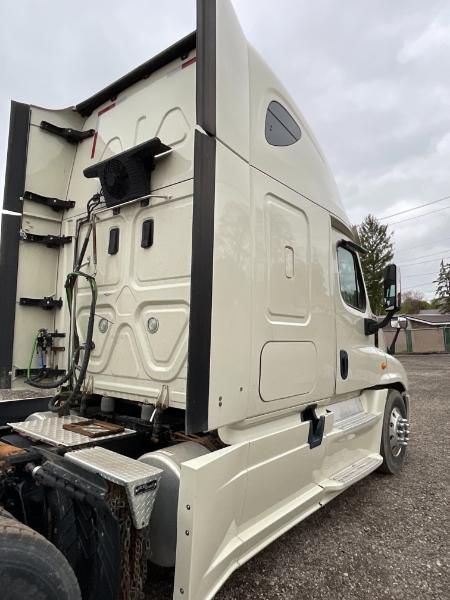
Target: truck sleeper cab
(177, 261)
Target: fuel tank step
(139, 479)
(352, 473)
(356, 421)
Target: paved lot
(386, 538)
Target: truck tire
(393, 448)
(4, 513)
(31, 568)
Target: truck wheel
(394, 437)
(31, 568)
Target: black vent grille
(127, 176)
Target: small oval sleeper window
(281, 129)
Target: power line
(422, 245)
(402, 212)
(428, 255)
(416, 275)
(418, 287)
(424, 283)
(423, 262)
(432, 212)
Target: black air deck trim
(177, 50)
(206, 65)
(9, 250)
(197, 403)
(201, 284)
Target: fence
(422, 340)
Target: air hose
(87, 346)
(71, 279)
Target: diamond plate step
(51, 431)
(356, 421)
(139, 479)
(353, 473)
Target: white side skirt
(235, 501)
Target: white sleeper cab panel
(232, 101)
(300, 319)
(288, 272)
(139, 284)
(230, 357)
(136, 287)
(162, 105)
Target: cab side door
(360, 362)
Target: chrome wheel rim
(398, 431)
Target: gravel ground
(385, 538)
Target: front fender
(394, 373)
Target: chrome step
(356, 421)
(353, 473)
(139, 479)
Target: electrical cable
(421, 245)
(402, 212)
(425, 283)
(422, 262)
(428, 255)
(417, 275)
(432, 212)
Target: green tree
(435, 303)
(413, 302)
(375, 238)
(443, 288)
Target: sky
(370, 77)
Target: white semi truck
(177, 266)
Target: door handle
(344, 364)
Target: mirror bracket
(372, 326)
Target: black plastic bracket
(372, 326)
(44, 373)
(147, 233)
(391, 349)
(70, 135)
(47, 303)
(51, 241)
(113, 244)
(316, 426)
(54, 203)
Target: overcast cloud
(370, 77)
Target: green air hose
(69, 285)
(32, 356)
(71, 280)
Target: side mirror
(392, 288)
(399, 323)
(392, 300)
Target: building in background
(427, 331)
